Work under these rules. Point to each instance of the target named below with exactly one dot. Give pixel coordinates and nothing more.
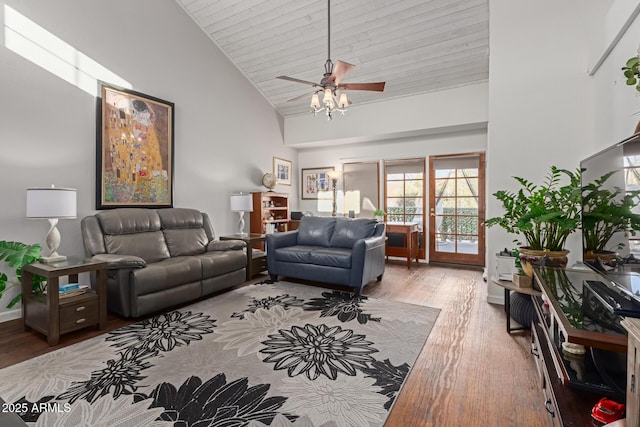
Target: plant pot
(596, 259)
(522, 281)
(531, 257)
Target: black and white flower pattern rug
(278, 354)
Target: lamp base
(52, 259)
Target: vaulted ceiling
(416, 46)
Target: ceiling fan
(334, 99)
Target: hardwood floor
(469, 373)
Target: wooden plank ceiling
(416, 46)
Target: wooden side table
(508, 287)
(411, 231)
(51, 315)
(256, 258)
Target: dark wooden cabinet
(52, 315)
(571, 384)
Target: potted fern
(606, 210)
(544, 214)
(17, 255)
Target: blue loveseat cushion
(297, 254)
(315, 231)
(331, 257)
(348, 231)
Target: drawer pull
(81, 320)
(82, 307)
(549, 407)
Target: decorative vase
(531, 257)
(607, 258)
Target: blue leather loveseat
(341, 251)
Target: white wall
(434, 112)
(226, 133)
(540, 99)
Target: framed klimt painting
(134, 150)
(282, 170)
(314, 181)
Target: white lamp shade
(51, 202)
(333, 174)
(315, 102)
(241, 202)
(343, 102)
(328, 96)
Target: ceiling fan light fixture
(315, 102)
(328, 96)
(343, 102)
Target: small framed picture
(282, 170)
(315, 180)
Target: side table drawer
(77, 315)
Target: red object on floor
(607, 411)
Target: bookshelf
(270, 212)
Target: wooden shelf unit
(269, 208)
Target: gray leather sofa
(160, 257)
(341, 251)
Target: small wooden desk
(411, 231)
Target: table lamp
(241, 203)
(52, 203)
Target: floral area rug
(278, 354)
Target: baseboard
(14, 314)
(495, 299)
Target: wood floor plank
(470, 371)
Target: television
(622, 162)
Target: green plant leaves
(631, 71)
(17, 255)
(544, 214)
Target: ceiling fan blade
(304, 95)
(292, 79)
(376, 87)
(340, 69)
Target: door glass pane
(417, 176)
(468, 225)
(395, 188)
(395, 176)
(445, 188)
(413, 188)
(445, 243)
(446, 224)
(445, 173)
(467, 245)
(413, 205)
(467, 187)
(416, 219)
(467, 206)
(468, 172)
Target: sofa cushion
(149, 246)
(348, 231)
(221, 262)
(166, 274)
(316, 231)
(331, 257)
(129, 220)
(188, 241)
(296, 254)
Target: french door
(457, 209)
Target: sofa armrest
(226, 245)
(367, 259)
(281, 240)
(117, 262)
